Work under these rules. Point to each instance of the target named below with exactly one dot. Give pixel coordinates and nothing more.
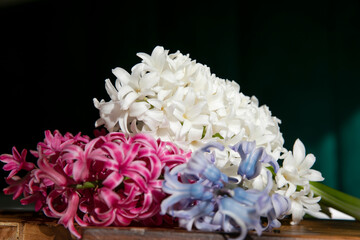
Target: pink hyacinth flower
(68, 201)
(54, 143)
(16, 162)
(114, 179)
(16, 186)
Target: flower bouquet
(181, 147)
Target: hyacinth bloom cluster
(110, 180)
(202, 196)
(171, 97)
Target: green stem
(86, 185)
(336, 199)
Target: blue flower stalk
(202, 196)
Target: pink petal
(122, 221)
(110, 198)
(10, 166)
(146, 140)
(113, 180)
(136, 178)
(146, 203)
(67, 219)
(16, 187)
(103, 219)
(140, 168)
(54, 194)
(81, 165)
(47, 171)
(131, 152)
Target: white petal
(185, 128)
(280, 180)
(308, 162)
(124, 91)
(297, 211)
(153, 119)
(312, 208)
(289, 161)
(129, 99)
(291, 189)
(149, 80)
(107, 108)
(178, 114)
(168, 76)
(144, 56)
(123, 121)
(99, 122)
(110, 89)
(221, 112)
(201, 120)
(299, 151)
(155, 102)
(194, 134)
(96, 103)
(122, 75)
(314, 176)
(175, 127)
(138, 108)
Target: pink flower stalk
(113, 179)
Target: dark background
(301, 59)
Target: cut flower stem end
(331, 197)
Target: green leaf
(336, 199)
(203, 132)
(86, 185)
(271, 169)
(217, 135)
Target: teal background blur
(302, 59)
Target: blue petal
(212, 173)
(281, 204)
(200, 209)
(237, 211)
(209, 145)
(189, 216)
(172, 185)
(196, 190)
(250, 166)
(251, 159)
(244, 148)
(269, 159)
(206, 224)
(170, 201)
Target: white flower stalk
(293, 180)
(176, 99)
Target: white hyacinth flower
(294, 177)
(172, 97)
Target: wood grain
(33, 226)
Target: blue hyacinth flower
(204, 198)
(238, 217)
(251, 159)
(260, 200)
(202, 162)
(181, 191)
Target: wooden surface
(32, 226)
